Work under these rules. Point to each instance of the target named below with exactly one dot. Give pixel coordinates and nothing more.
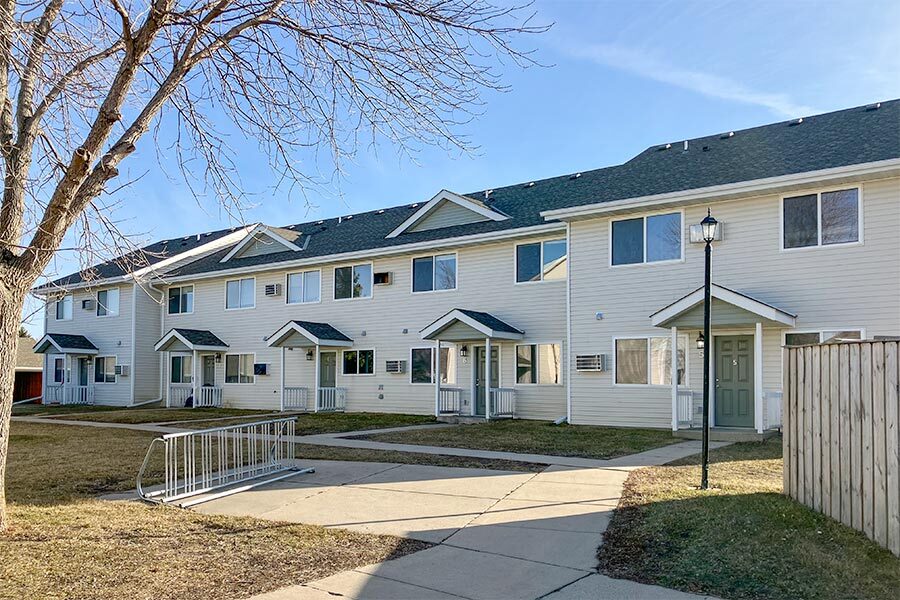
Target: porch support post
(674, 346)
(436, 373)
(167, 377)
(194, 369)
(487, 379)
(281, 396)
(758, 378)
(67, 378)
(316, 390)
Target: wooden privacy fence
(842, 434)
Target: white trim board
(432, 331)
(449, 196)
(747, 303)
(293, 327)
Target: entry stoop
(460, 420)
(726, 434)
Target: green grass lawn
(44, 410)
(537, 437)
(155, 415)
(313, 423)
(742, 539)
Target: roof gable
(447, 209)
(262, 240)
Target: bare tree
(82, 81)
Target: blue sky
(623, 75)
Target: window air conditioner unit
(122, 370)
(384, 278)
(260, 369)
(273, 289)
(395, 366)
(697, 233)
(592, 362)
(87, 304)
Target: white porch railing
(179, 393)
(450, 401)
(331, 399)
(78, 394)
(296, 398)
(54, 394)
(690, 408)
(210, 396)
(772, 409)
(502, 403)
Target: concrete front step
(726, 434)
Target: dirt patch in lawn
(315, 452)
(536, 437)
(742, 539)
(134, 416)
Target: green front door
(734, 381)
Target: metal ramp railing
(197, 463)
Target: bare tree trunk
(12, 298)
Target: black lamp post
(708, 225)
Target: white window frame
(412, 273)
(302, 287)
(108, 313)
(53, 358)
(353, 266)
(819, 245)
(357, 374)
(451, 352)
(541, 243)
(181, 355)
(193, 299)
(227, 281)
(820, 331)
(648, 337)
(644, 216)
(225, 368)
(56, 303)
(105, 357)
(537, 382)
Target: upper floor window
(821, 219)
(654, 238)
(64, 308)
(108, 303)
(239, 368)
(648, 361)
(541, 261)
(538, 363)
(181, 300)
(432, 273)
(105, 369)
(303, 287)
(240, 293)
(422, 365)
(359, 362)
(353, 282)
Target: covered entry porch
(192, 356)
(318, 343)
(68, 368)
(482, 336)
(744, 355)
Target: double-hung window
(181, 300)
(803, 338)
(823, 219)
(434, 273)
(422, 366)
(64, 308)
(541, 261)
(303, 287)
(538, 363)
(648, 360)
(105, 369)
(353, 282)
(182, 368)
(358, 362)
(240, 293)
(108, 303)
(59, 370)
(239, 368)
(653, 238)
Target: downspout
(162, 324)
(133, 374)
(569, 370)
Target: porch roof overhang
(64, 343)
(729, 309)
(462, 325)
(190, 339)
(308, 333)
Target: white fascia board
(456, 315)
(732, 191)
(429, 206)
(254, 234)
(467, 240)
(172, 333)
(46, 339)
(688, 302)
(292, 327)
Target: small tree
(82, 81)
(23, 333)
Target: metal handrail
(202, 461)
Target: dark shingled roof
(323, 331)
(846, 137)
(489, 320)
(198, 337)
(67, 340)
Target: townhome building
(575, 297)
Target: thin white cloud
(645, 65)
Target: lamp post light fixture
(708, 225)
